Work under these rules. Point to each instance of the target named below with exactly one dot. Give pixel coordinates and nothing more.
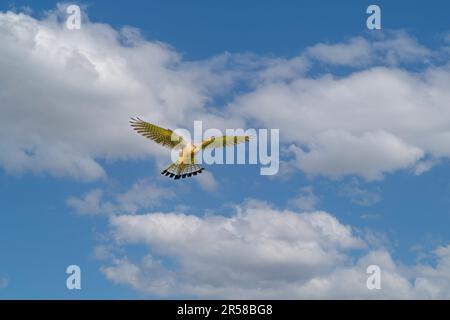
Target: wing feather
(165, 137)
(224, 141)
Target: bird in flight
(186, 165)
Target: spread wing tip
(135, 119)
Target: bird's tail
(177, 170)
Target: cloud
(391, 48)
(305, 201)
(102, 252)
(78, 89)
(338, 153)
(424, 166)
(366, 123)
(397, 47)
(356, 52)
(369, 216)
(91, 203)
(142, 195)
(149, 276)
(434, 282)
(207, 181)
(359, 195)
(259, 247)
(263, 252)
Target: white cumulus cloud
(263, 252)
(67, 95)
(366, 123)
(142, 195)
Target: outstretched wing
(165, 137)
(224, 141)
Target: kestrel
(186, 165)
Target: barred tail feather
(177, 171)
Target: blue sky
(360, 150)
